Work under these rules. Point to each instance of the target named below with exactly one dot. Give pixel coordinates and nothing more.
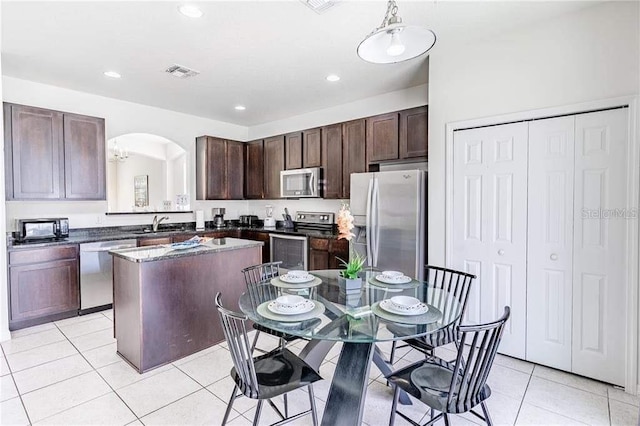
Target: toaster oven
(42, 229)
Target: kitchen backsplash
(91, 214)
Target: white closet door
(550, 241)
(600, 245)
(490, 222)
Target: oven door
(291, 250)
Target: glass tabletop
(342, 313)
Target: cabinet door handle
(501, 252)
(553, 256)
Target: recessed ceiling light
(112, 74)
(190, 11)
(333, 77)
(240, 108)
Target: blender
(269, 221)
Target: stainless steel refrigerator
(389, 210)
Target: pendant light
(394, 42)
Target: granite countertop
(163, 252)
(91, 235)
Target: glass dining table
(358, 317)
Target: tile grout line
(102, 378)
(24, 408)
(99, 375)
(524, 395)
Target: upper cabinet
(84, 154)
(293, 149)
(382, 138)
(254, 168)
(332, 160)
(219, 169)
(398, 136)
(53, 155)
(273, 164)
(312, 148)
(414, 133)
(354, 142)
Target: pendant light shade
(395, 42)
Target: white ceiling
(271, 56)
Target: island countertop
(169, 251)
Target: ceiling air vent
(320, 6)
(181, 72)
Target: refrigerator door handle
(368, 224)
(375, 232)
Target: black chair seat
(278, 372)
(430, 382)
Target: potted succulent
(356, 261)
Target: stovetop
(314, 221)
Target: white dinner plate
(296, 280)
(305, 307)
(401, 280)
(388, 306)
(264, 312)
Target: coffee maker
(218, 217)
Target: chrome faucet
(156, 222)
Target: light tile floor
(68, 373)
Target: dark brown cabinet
(53, 155)
(312, 148)
(325, 253)
(273, 165)
(332, 160)
(353, 152)
(414, 125)
(219, 169)
(254, 167)
(43, 285)
(293, 149)
(382, 138)
(84, 155)
(235, 170)
(259, 236)
(154, 241)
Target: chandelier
(118, 154)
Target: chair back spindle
(472, 371)
(235, 333)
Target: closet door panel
(550, 242)
(600, 229)
(490, 184)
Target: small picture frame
(141, 190)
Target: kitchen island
(163, 302)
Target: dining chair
(458, 284)
(253, 277)
(266, 376)
(453, 387)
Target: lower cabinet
(325, 253)
(155, 241)
(259, 236)
(43, 285)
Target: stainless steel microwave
(42, 229)
(300, 183)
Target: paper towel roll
(199, 220)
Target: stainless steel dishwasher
(96, 274)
